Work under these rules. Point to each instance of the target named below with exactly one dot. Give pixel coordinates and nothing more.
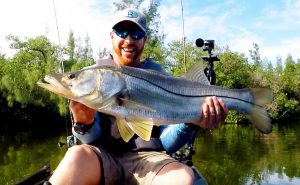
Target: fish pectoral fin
(134, 105)
(260, 119)
(107, 102)
(125, 130)
(142, 127)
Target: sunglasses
(135, 34)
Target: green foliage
(286, 86)
(32, 61)
(233, 71)
(255, 55)
(175, 57)
(70, 49)
(36, 57)
(154, 45)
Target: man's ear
(111, 35)
(145, 38)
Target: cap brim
(129, 20)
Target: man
(106, 158)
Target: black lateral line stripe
(172, 92)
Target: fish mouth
(43, 81)
(46, 82)
(53, 85)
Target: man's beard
(128, 61)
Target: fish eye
(71, 76)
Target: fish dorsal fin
(196, 74)
(125, 130)
(135, 105)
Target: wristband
(81, 129)
(190, 126)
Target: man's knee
(187, 176)
(80, 154)
(80, 165)
(175, 173)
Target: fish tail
(259, 115)
(260, 119)
(262, 96)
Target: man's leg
(80, 165)
(174, 173)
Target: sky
(273, 24)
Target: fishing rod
(183, 38)
(58, 36)
(71, 140)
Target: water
(25, 153)
(230, 155)
(240, 155)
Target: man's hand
(214, 112)
(82, 113)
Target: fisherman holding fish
(116, 154)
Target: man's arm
(85, 116)
(174, 137)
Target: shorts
(131, 168)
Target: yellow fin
(125, 130)
(142, 127)
(260, 119)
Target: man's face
(127, 50)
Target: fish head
(111, 83)
(72, 85)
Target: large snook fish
(141, 98)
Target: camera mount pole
(209, 70)
(208, 45)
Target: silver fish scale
(167, 106)
(184, 86)
(177, 99)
